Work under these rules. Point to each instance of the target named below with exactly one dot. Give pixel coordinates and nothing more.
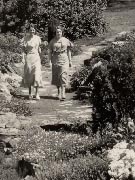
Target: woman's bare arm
(69, 56)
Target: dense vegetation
(79, 18)
(112, 83)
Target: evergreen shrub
(112, 84)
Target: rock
(9, 131)
(119, 43)
(28, 178)
(5, 97)
(9, 124)
(123, 33)
(13, 124)
(4, 92)
(9, 163)
(13, 142)
(14, 80)
(7, 118)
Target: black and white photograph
(67, 89)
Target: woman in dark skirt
(60, 57)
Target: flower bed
(63, 155)
(122, 161)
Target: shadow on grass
(76, 127)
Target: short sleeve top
(32, 44)
(60, 46)
(59, 49)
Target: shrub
(79, 77)
(112, 84)
(79, 17)
(17, 106)
(10, 49)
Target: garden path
(49, 110)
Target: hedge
(79, 17)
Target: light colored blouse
(58, 49)
(31, 44)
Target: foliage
(79, 77)
(81, 168)
(10, 49)
(127, 36)
(71, 153)
(122, 161)
(112, 83)
(79, 18)
(17, 106)
(7, 172)
(38, 144)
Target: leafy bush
(10, 49)
(112, 84)
(79, 17)
(79, 78)
(127, 36)
(17, 106)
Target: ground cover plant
(74, 155)
(17, 106)
(7, 169)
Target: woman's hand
(50, 64)
(70, 64)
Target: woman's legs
(30, 95)
(63, 88)
(37, 93)
(59, 92)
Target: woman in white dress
(32, 68)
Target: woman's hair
(29, 26)
(59, 27)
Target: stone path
(51, 111)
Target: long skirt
(32, 71)
(59, 75)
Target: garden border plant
(112, 84)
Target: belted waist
(59, 52)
